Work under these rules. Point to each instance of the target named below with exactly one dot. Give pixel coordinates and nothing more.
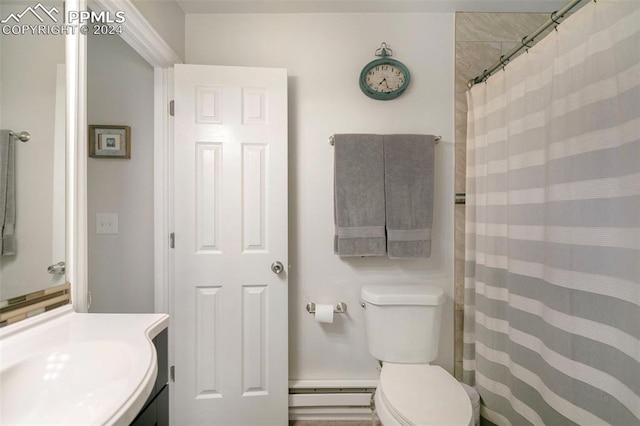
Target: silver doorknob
(57, 268)
(277, 267)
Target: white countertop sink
(67, 368)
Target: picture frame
(109, 141)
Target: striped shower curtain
(552, 280)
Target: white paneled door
(230, 302)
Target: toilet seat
(421, 394)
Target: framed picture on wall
(108, 141)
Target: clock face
(384, 79)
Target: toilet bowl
(403, 329)
(421, 394)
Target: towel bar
(340, 308)
(332, 139)
(22, 136)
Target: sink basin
(67, 368)
(77, 383)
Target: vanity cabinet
(155, 411)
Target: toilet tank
(403, 321)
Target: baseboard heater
(331, 399)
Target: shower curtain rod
(555, 19)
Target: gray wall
(120, 91)
(324, 98)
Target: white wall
(324, 54)
(28, 102)
(120, 91)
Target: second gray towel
(7, 194)
(359, 195)
(409, 163)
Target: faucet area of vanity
(64, 367)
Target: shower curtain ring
(526, 45)
(553, 14)
(504, 63)
(484, 76)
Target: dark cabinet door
(156, 413)
(156, 410)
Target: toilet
(403, 329)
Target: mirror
(32, 99)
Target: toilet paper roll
(324, 313)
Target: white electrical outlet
(106, 223)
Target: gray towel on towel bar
(359, 195)
(7, 194)
(409, 163)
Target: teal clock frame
(380, 96)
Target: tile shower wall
(481, 38)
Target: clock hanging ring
(385, 78)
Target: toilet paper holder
(340, 308)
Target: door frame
(146, 41)
(76, 167)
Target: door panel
(230, 313)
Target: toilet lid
(422, 394)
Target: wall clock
(385, 78)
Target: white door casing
(230, 310)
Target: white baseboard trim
(329, 413)
(328, 400)
(323, 384)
